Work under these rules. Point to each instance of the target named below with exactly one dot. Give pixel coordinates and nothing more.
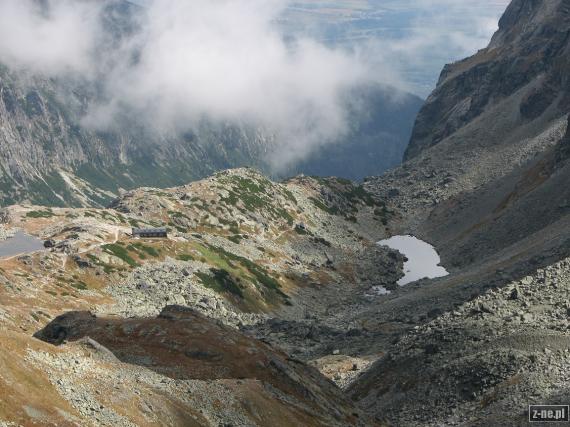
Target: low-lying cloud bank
(176, 62)
(54, 41)
(179, 61)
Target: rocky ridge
(201, 364)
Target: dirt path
(94, 246)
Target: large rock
(68, 326)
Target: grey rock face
(527, 58)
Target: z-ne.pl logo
(548, 413)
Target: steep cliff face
(494, 125)
(526, 62)
(486, 158)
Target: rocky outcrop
(184, 348)
(68, 326)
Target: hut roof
(149, 230)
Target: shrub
(40, 214)
(220, 280)
(121, 253)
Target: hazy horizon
(408, 40)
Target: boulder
(67, 326)
(82, 263)
(50, 243)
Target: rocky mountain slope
(521, 73)
(213, 374)
(263, 290)
(482, 363)
(51, 158)
(485, 181)
(245, 259)
(488, 164)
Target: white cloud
(55, 41)
(224, 60)
(220, 59)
